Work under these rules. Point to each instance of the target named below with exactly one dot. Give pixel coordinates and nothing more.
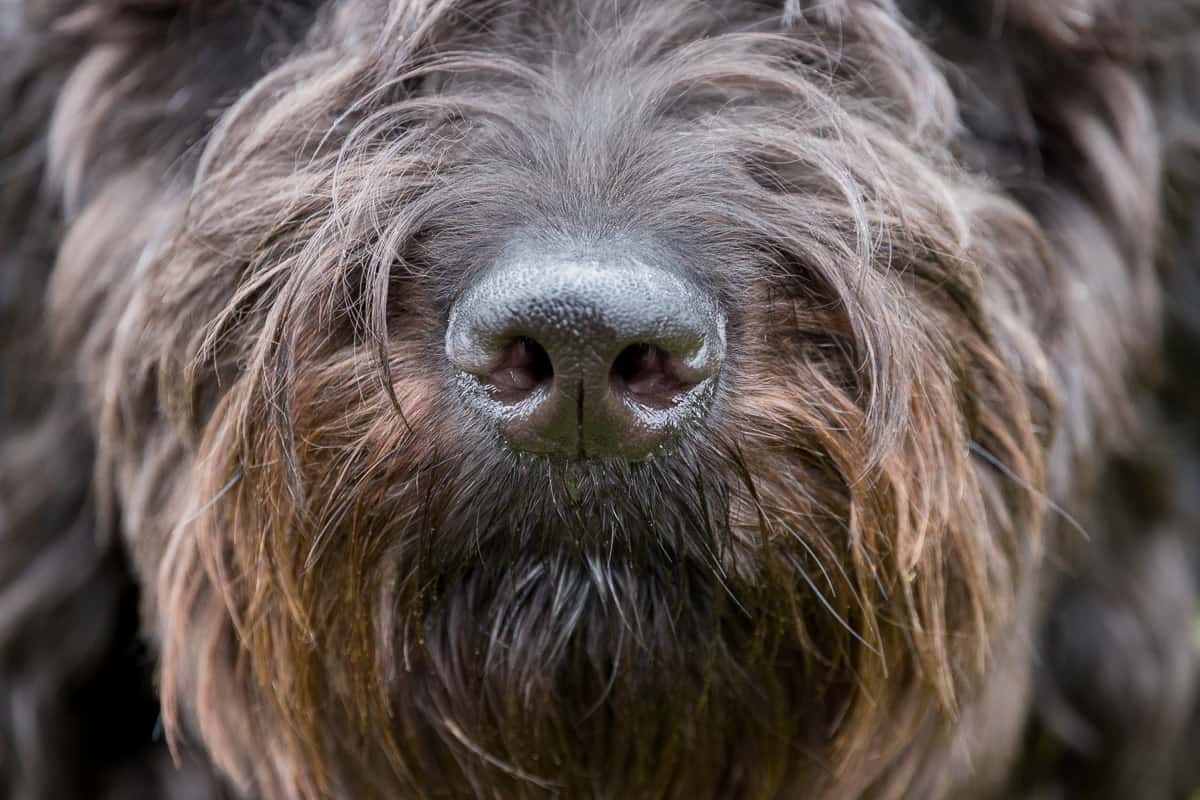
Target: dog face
(593, 398)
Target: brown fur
(942, 233)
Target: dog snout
(584, 356)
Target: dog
(598, 398)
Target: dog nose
(586, 357)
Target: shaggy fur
(935, 540)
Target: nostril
(649, 375)
(524, 366)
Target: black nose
(586, 357)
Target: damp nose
(586, 357)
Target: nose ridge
(586, 356)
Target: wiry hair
(936, 229)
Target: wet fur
(934, 541)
